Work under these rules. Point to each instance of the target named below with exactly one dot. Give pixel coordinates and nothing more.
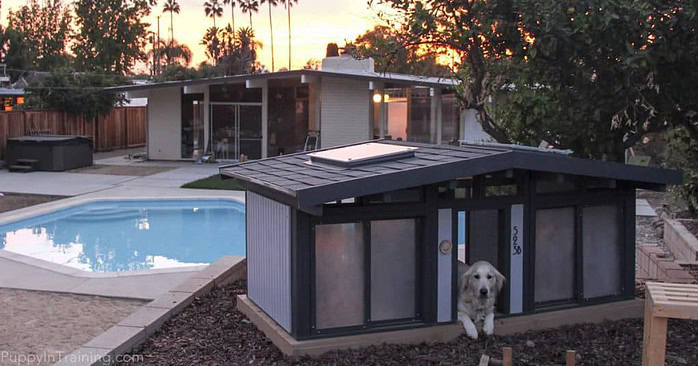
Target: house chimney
(345, 62)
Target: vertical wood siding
(269, 257)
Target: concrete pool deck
(21, 272)
(73, 184)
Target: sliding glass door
(236, 130)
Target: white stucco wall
(471, 130)
(165, 124)
(344, 112)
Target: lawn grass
(214, 182)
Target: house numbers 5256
(515, 243)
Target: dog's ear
(499, 280)
(465, 279)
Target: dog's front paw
(470, 330)
(488, 328)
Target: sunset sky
(314, 24)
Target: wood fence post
(126, 127)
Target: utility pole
(159, 45)
(155, 54)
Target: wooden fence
(124, 127)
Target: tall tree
(289, 4)
(213, 10)
(249, 7)
(111, 34)
(37, 35)
(232, 10)
(271, 28)
(381, 44)
(173, 52)
(172, 7)
(594, 75)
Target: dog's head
(482, 280)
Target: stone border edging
(682, 243)
(132, 331)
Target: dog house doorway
(481, 235)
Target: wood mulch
(211, 331)
(13, 201)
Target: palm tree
(289, 4)
(172, 7)
(232, 10)
(213, 9)
(271, 28)
(173, 52)
(249, 6)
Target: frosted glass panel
(483, 237)
(602, 251)
(554, 254)
(393, 269)
(339, 275)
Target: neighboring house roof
(304, 184)
(366, 75)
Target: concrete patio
(72, 184)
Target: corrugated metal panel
(269, 257)
(344, 114)
(445, 267)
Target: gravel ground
(691, 225)
(44, 325)
(212, 332)
(13, 201)
(646, 232)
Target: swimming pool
(114, 236)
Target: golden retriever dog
(478, 286)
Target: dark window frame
(365, 219)
(578, 203)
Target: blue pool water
(113, 236)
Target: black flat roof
(295, 180)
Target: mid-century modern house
(270, 114)
(349, 241)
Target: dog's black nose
(483, 291)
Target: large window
(288, 119)
(339, 275)
(554, 270)
(347, 254)
(578, 253)
(602, 251)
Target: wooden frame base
(292, 347)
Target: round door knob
(445, 246)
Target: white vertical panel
(344, 112)
(269, 257)
(165, 124)
(444, 290)
(516, 269)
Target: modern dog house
(363, 238)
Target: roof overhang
(304, 76)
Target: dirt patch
(13, 201)
(44, 325)
(212, 331)
(134, 171)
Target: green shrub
(682, 153)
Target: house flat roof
(366, 75)
(297, 181)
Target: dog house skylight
(369, 152)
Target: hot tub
(51, 153)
